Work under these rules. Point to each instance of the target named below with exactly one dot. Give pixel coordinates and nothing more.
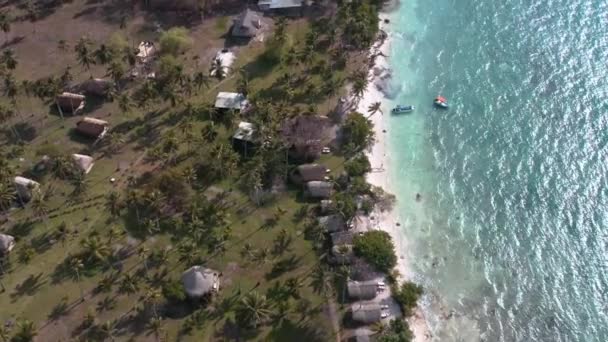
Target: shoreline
(380, 161)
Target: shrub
(175, 41)
(377, 248)
(407, 296)
(358, 166)
(345, 205)
(173, 291)
(398, 331)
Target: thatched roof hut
(96, 86)
(342, 238)
(362, 290)
(308, 172)
(25, 186)
(332, 223)
(83, 162)
(70, 102)
(307, 135)
(92, 127)
(366, 313)
(246, 25)
(199, 281)
(319, 189)
(7, 243)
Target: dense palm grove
(188, 196)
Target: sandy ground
(380, 160)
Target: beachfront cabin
(307, 173)
(291, 8)
(146, 51)
(332, 223)
(70, 103)
(25, 188)
(83, 162)
(362, 290)
(246, 25)
(199, 282)
(366, 313)
(225, 101)
(319, 189)
(7, 243)
(306, 135)
(92, 128)
(345, 237)
(96, 87)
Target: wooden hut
(70, 103)
(91, 127)
(199, 281)
(83, 162)
(25, 187)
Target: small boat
(402, 109)
(440, 102)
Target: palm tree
(5, 24)
(77, 266)
(155, 325)
(189, 175)
(320, 282)
(129, 284)
(95, 249)
(39, 205)
(374, 108)
(125, 103)
(106, 331)
(112, 203)
(218, 69)
(201, 80)
(83, 53)
(8, 59)
(26, 331)
(6, 114)
(4, 333)
(116, 70)
(253, 310)
(7, 195)
(243, 82)
(359, 83)
(80, 183)
(103, 55)
(262, 255)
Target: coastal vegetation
(101, 248)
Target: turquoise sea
(510, 239)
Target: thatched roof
(318, 189)
(96, 86)
(199, 281)
(363, 271)
(332, 223)
(70, 102)
(92, 127)
(246, 25)
(342, 238)
(366, 313)
(307, 135)
(226, 100)
(308, 172)
(25, 186)
(84, 163)
(7, 243)
(362, 290)
(279, 4)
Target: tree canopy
(357, 133)
(377, 248)
(175, 41)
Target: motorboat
(402, 109)
(441, 102)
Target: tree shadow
(288, 331)
(13, 41)
(283, 266)
(21, 229)
(28, 287)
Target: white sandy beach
(380, 160)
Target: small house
(7, 243)
(70, 102)
(228, 101)
(246, 25)
(282, 7)
(96, 87)
(145, 52)
(366, 313)
(306, 136)
(199, 281)
(308, 172)
(83, 162)
(332, 223)
(25, 187)
(340, 238)
(222, 63)
(319, 189)
(93, 128)
(362, 290)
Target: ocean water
(510, 239)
